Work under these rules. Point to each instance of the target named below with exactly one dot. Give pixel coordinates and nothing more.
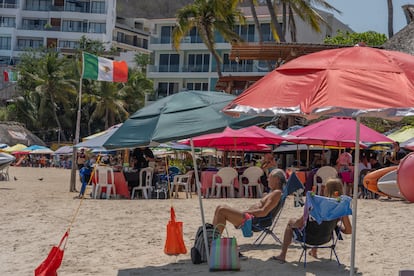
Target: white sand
(126, 237)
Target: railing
(228, 68)
(8, 6)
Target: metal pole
(203, 221)
(76, 141)
(355, 197)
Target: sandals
(280, 261)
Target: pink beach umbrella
(348, 82)
(247, 136)
(339, 132)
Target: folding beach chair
(321, 229)
(265, 225)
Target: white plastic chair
(104, 177)
(227, 176)
(145, 182)
(252, 174)
(183, 180)
(324, 173)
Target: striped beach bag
(224, 253)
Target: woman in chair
(333, 188)
(266, 204)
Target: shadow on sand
(251, 266)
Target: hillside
(150, 8)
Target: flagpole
(76, 141)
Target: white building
(53, 23)
(193, 67)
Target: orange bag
(174, 244)
(52, 262)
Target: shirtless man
(266, 204)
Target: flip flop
(278, 260)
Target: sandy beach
(126, 237)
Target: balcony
(9, 6)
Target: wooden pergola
(269, 51)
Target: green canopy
(182, 115)
(403, 134)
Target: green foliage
(47, 91)
(346, 38)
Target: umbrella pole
(203, 221)
(355, 196)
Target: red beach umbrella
(349, 82)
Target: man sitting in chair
(266, 204)
(333, 188)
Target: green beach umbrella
(183, 115)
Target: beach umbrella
(96, 141)
(64, 150)
(17, 147)
(179, 116)
(339, 132)
(42, 151)
(403, 134)
(234, 138)
(349, 82)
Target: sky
(370, 15)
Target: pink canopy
(248, 136)
(337, 131)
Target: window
(198, 62)
(68, 44)
(266, 32)
(246, 32)
(34, 24)
(98, 7)
(233, 66)
(39, 5)
(7, 21)
(29, 43)
(99, 28)
(167, 88)
(199, 86)
(166, 32)
(169, 63)
(74, 26)
(195, 37)
(5, 42)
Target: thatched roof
(12, 133)
(403, 41)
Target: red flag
(6, 76)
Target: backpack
(198, 251)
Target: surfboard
(371, 179)
(388, 184)
(405, 179)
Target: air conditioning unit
(187, 39)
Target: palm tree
(304, 9)
(390, 18)
(209, 16)
(48, 85)
(136, 89)
(108, 103)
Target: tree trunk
(275, 22)
(390, 19)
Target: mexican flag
(103, 69)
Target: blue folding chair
(321, 229)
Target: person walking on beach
(81, 159)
